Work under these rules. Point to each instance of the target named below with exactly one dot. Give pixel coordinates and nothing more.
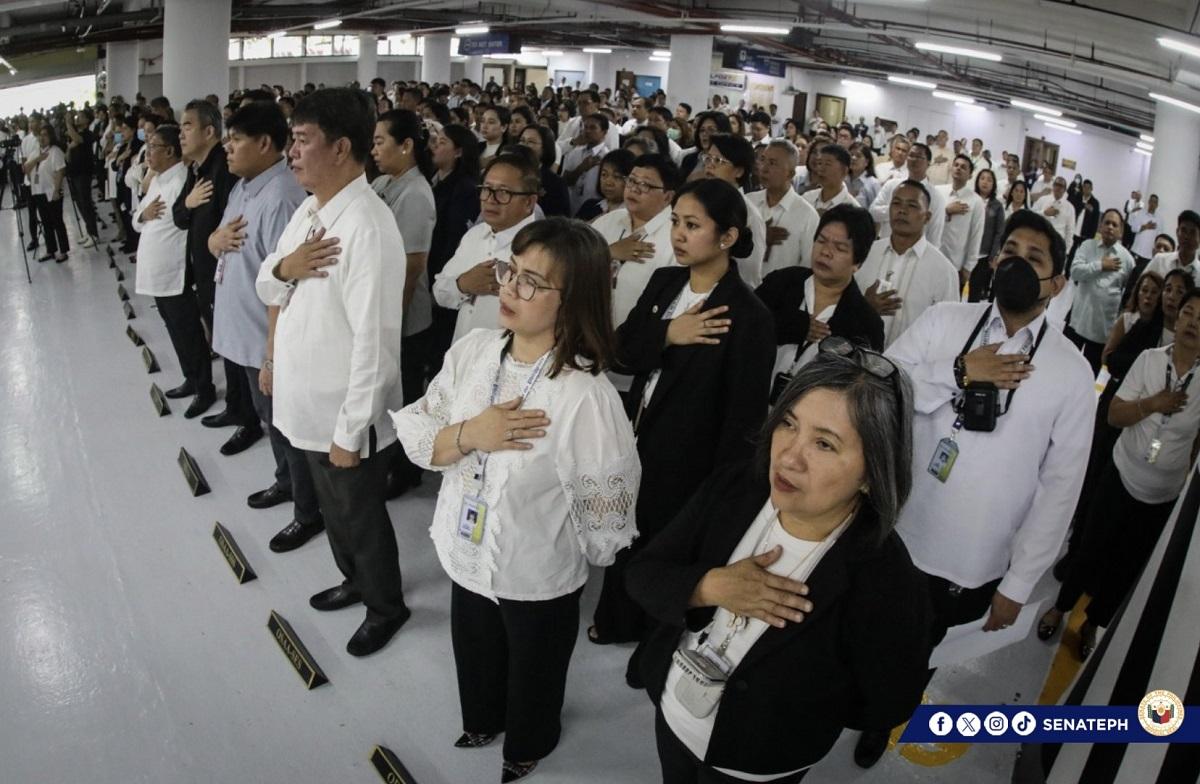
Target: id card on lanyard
(1156, 442)
(472, 515)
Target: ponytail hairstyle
(467, 143)
(726, 207)
(402, 125)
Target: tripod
(5, 183)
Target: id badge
(471, 518)
(220, 276)
(716, 658)
(943, 459)
(1153, 450)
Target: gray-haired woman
(744, 690)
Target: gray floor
(128, 653)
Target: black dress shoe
(32, 246)
(473, 740)
(295, 534)
(242, 439)
(335, 598)
(272, 496)
(186, 389)
(200, 403)
(47, 257)
(870, 747)
(373, 635)
(512, 771)
(224, 419)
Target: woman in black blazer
(456, 156)
(700, 346)
(838, 307)
(804, 532)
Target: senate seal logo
(1161, 713)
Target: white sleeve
(937, 222)
(882, 203)
(932, 379)
(974, 237)
(599, 471)
(445, 283)
(418, 424)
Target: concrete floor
(129, 653)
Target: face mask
(673, 134)
(1017, 285)
(118, 137)
(141, 134)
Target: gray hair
(786, 146)
(208, 115)
(881, 412)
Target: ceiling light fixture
(1191, 107)
(1035, 107)
(945, 96)
(1145, 146)
(660, 53)
(1179, 46)
(1062, 128)
(961, 51)
(857, 85)
(657, 59)
(1055, 120)
(1146, 138)
(596, 50)
(912, 82)
(472, 30)
(760, 28)
(327, 24)
(1143, 152)
(974, 106)
(278, 34)
(552, 53)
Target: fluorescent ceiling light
(1035, 107)
(912, 82)
(278, 34)
(661, 53)
(552, 53)
(1055, 120)
(861, 85)
(472, 30)
(1145, 146)
(596, 50)
(656, 59)
(945, 96)
(327, 24)
(1143, 152)
(502, 56)
(1191, 107)
(761, 28)
(1062, 128)
(974, 106)
(1147, 138)
(926, 46)
(1179, 46)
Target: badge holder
(946, 452)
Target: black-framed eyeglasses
(527, 287)
(640, 185)
(500, 195)
(713, 160)
(871, 361)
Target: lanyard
(534, 374)
(1183, 382)
(958, 402)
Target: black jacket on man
(853, 318)
(857, 660)
(203, 221)
(1091, 218)
(457, 204)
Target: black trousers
(55, 231)
(81, 194)
(512, 661)
(204, 272)
(239, 400)
(291, 467)
(414, 362)
(31, 206)
(360, 531)
(125, 212)
(681, 766)
(1091, 349)
(1120, 536)
(1104, 438)
(181, 314)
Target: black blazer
(555, 198)
(1091, 221)
(457, 204)
(858, 660)
(783, 292)
(710, 401)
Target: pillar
(195, 50)
(688, 73)
(435, 63)
(368, 59)
(1175, 162)
(601, 71)
(121, 63)
(473, 69)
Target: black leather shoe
(295, 534)
(242, 439)
(372, 636)
(186, 389)
(334, 598)
(224, 419)
(1063, 567)
(32, 246)
(200, 403)
(871, 746)
(272, 496)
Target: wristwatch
(960, 371)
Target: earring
(864, 489)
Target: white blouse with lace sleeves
(551, 509)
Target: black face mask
(1016, 285)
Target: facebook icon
(941, 724)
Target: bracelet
(458, 438)
(268, 365)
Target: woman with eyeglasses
(540, 480)
(731, 158)
(614, 168)
(804, 532)
(708, 124)
(700, 347)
